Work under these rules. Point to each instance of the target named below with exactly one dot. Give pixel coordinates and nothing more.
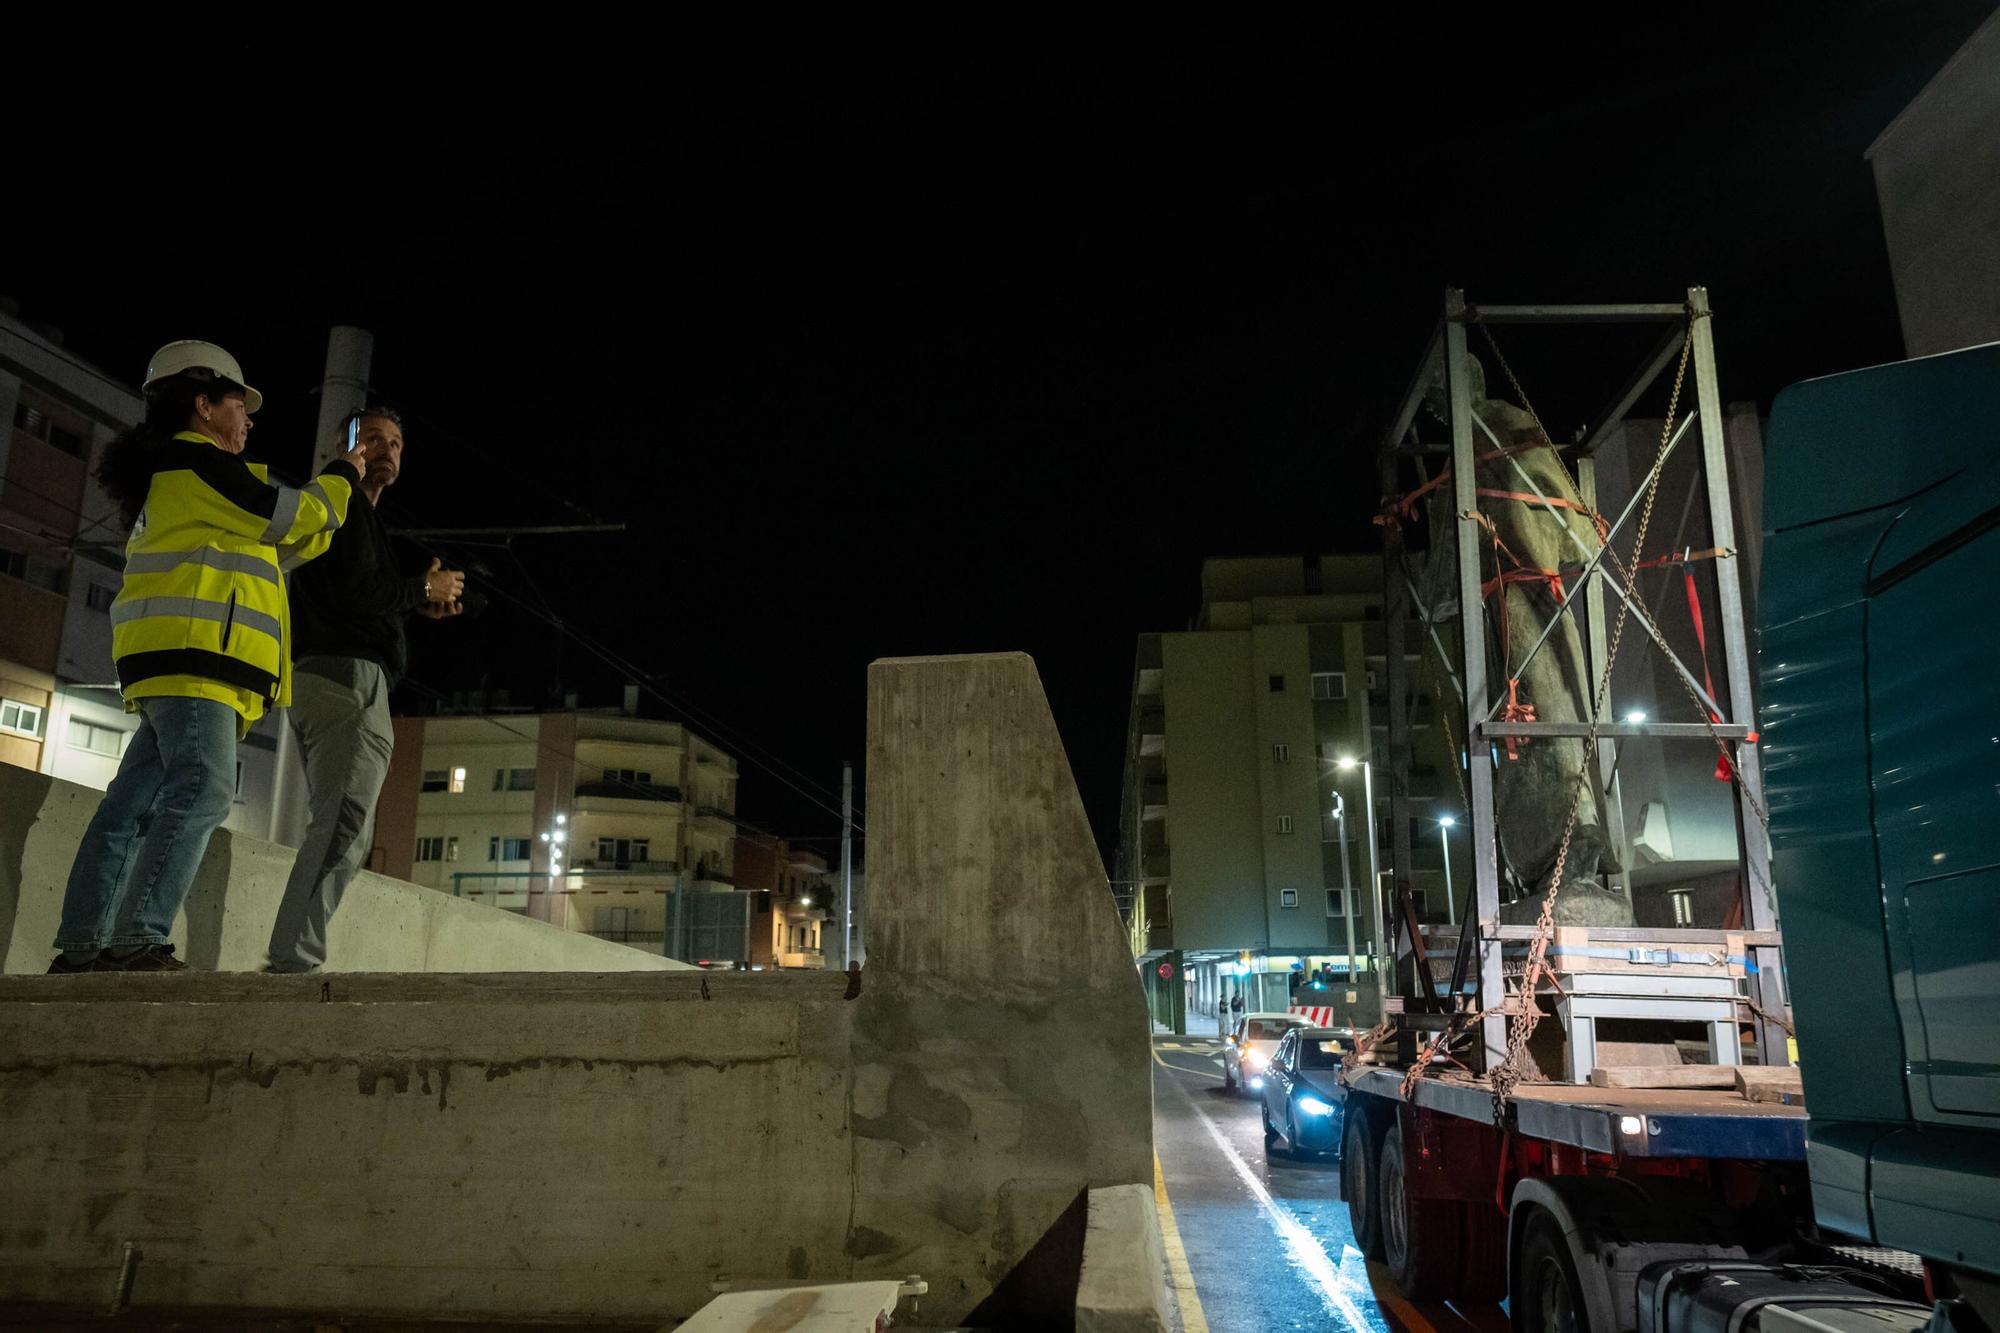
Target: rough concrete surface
(384, 925)
(607, 1146)
(1123, 1286)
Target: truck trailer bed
(1626, 1122)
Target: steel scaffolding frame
(1479, 705)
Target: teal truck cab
(1880, 662)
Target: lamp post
(1347, 764)
(1444, 845)
(1346, 882)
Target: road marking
(1307, 1252)
(1386, 1297)
(1193, 1320)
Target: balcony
(1155, 866)
(1159, 938)
(1153, 801)
(802, 958)
(1152, 733)
(629, 791)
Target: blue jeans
(144, 844)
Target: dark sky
(977, 341)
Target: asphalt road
(1267, 1243)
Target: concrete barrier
(1122, 1287)
(384, 925)
(606, 1147)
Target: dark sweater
(351, 601)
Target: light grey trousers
(340, 716)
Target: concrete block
(1123, 1284)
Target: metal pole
(1599, 646)
(1472, 629)
(1444, 846)
(1761, 904)
(847, 864)
(1376, 946)
(1346, 883)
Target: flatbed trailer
(1478, 1167)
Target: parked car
(1250, 1047)
(1304, 1103)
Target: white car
(1248, 1049)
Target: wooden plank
(1770, 1083)
(1638, 1054)
(1663, 1076)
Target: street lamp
(1444, 845)
(1347, 763)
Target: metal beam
(1573, 314)
(1664, 354)
(1760, 902)
(1472, 641)
(1603, 707)
(1669, 731)
(1413, 397)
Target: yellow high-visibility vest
(202, 613)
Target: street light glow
(1345, 763)
(1448, 821)
(1635, 717)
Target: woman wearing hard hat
(200, 633)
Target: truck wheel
(1547, 1297)
(1420, 1237)
(1358, 1148)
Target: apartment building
(795, 919)
(596, 821)
(1255, 738)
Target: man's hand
(441, 610)
(441, 585)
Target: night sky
(983, 345)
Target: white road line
(1307, 1252)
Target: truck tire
(1420, 1237)
(1548, 1298)
(1360, 1144)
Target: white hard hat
(188, 354)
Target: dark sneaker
(151, 958)
(63, 966)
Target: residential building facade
(1240, 871)
(794, 917)
(596, 821)
(62, 556)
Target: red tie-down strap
(1516, 711)
(1724, 770)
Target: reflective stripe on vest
(193, 608)
(166, 562)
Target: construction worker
(200, 637)
(351, 605)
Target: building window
(507, 849)
(1284, 823)
(1683, 907)
(436, 779)
(1329, 685)
(513, 779)
(430, 849)
(458, 779)
(1288, 897)
(638, 777)
(451, 849)
(99, 596)
(1277, 684)
(13, 564)
(1281, 754)
(623, 852)
(109, 741)
(21, 719)
(1335, 903)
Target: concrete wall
(1937, 177)
(605, 1146)
(384, 925)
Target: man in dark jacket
(348, 608)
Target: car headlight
(1256, 1083)
(1253, 1059)
(1314, 1106)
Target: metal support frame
(1448, 350)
